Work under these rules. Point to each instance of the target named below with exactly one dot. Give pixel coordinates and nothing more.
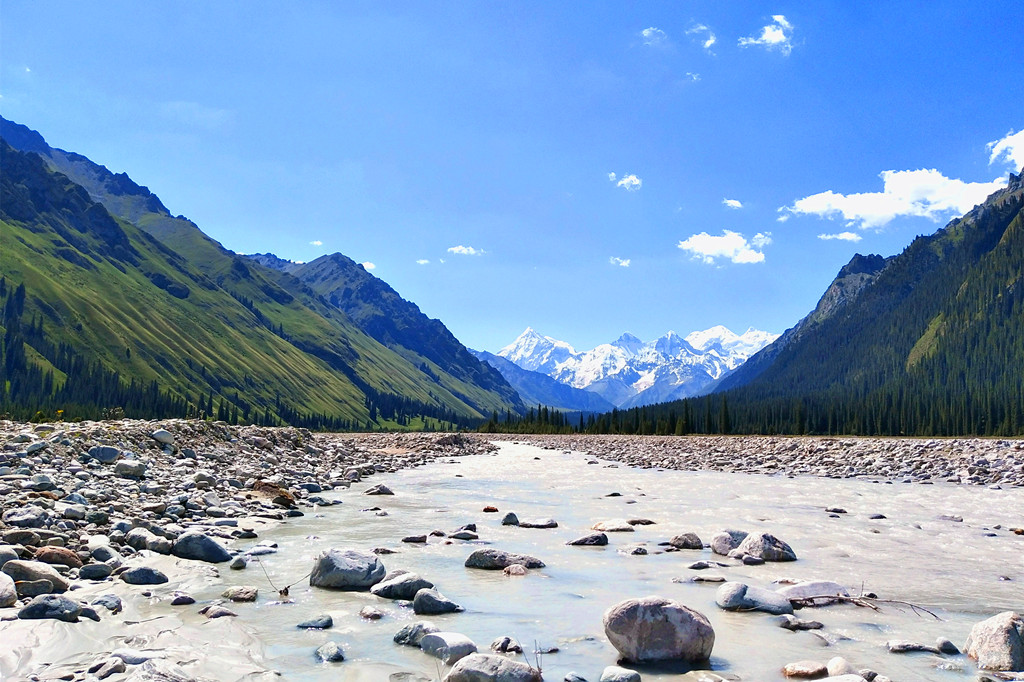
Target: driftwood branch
(868, 602)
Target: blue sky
(581, 169)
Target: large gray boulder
(8, 593)
(55, 606)
(998, 642)
(402, 586)
(411, 634)
(496, 560)
(199, 547)
(725, 541)
(430, 602)
(686, 541)
(347, 569)
(766, 546)
(658, 629)
(32, 571)
(447, 646)
(491, 668)
(735, 596)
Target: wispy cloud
(653, 36)
(703, 35)
(777, 35)
(731, 245)
(842, 236)
(1010, 148)
(195, 115)
(732, 203)
(465, 251)
(630, 182)
(316, 242)
(422, 261)
(924, 193)
(367, 265)
(621, 262)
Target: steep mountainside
(537, 388)
(848, 284)
(379, 311)
(314, 359)
(928, 341)
(629, 372)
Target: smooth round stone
(411, 634)
(52, 606)
(143, 575)
(330, 652)
(241, 593)
(614, 673)
(321, 622)
(429, 601)
(95, 572)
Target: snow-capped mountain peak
(629, 372)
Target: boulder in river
(411, 634)
(401, 586)
(55, 606)
(686, 541)
(658, 629)
(998, 642)
(200, 547)
(448, 646)
(496, 559)
(591, 540)
(766, 546)
(736, 596)
(492, 668)
(725, 541)
(347, 569)
(429, 602)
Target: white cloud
(732, 203)
(704, 35)
(842, 236)
(465, 251)
(422, 261)
(368, 265)
(316, 242)
(925, 193)
(621, 262)
(653, 36)
(731, 245)
(1009, 149)
(777, 35)
(694, 77)
(630, 183)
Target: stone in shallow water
(330, 652)
(429, 601)
(347, 569)
(658, 629)
(736, 596)
(321, 622)
(54, 606)
(411, 634)
(143, 575)
(997, 643)
(496, 559)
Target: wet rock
(686, 541)
(657, 629)
(510, 519)
(403, 586)
(614, 526)
(491, 668)
(504, 645)
(998, 642)
(415, 539)
(838, 665)
(321, 622)
(515, 570)
(54, 606)
(725, 541)
(8, 593)
(347, 569)
(331, 652)
(591, 540)
(411, 634)
(107, 667)
(791, 622)
(371, 613)
(238, 563)
(903, 646)
(429, 601)
(450, 647)
(947, 647)
(379, 489)
(95, 572)
(111, 602)
(217, 611)
(464, 535)
(736, 596)
(31, 571)
(539, 523)
(182, 599)
(614, 673)
(817, 592)
(496, 559)
(805, 669)
(199, 547)
(241, 593)
(143, 575)
(766, 546)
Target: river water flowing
(962, 571)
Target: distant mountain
(536, 388)
(629, 372)
(110, 280)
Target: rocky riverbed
(969, 461)
(118, 541)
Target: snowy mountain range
(629, 372)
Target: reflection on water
(954, 569)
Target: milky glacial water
(954, 569)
